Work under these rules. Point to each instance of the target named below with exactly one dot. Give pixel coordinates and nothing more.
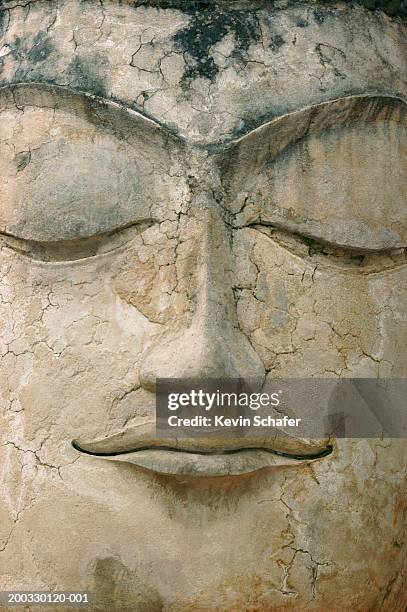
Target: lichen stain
(35, 52)
(87, 77)
(206, 29)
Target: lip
(202, 457)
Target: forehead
(208, 74)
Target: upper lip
(142, 438)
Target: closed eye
(74, 250)
(329, 254)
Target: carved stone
(199, 189)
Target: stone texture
(198, 192)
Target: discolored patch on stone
(41, 49)
(394, 8)
(207, 28)
(35, 51)
(118, 589)
(87, 75)
(22, 160)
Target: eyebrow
(285, 129)
(363, 106)
(269, 139)
(96, 110)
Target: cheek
(72, 351)
(360, 497)
(366, 315)
(307, 321)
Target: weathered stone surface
(199, 192)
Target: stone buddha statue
(193, 190)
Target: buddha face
(198, 193)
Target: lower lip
(244, 461)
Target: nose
(212, 346)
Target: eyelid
(332, 255)
(353, 233)
(72, 251)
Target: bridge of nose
(211, 346)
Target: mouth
(202, 457)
